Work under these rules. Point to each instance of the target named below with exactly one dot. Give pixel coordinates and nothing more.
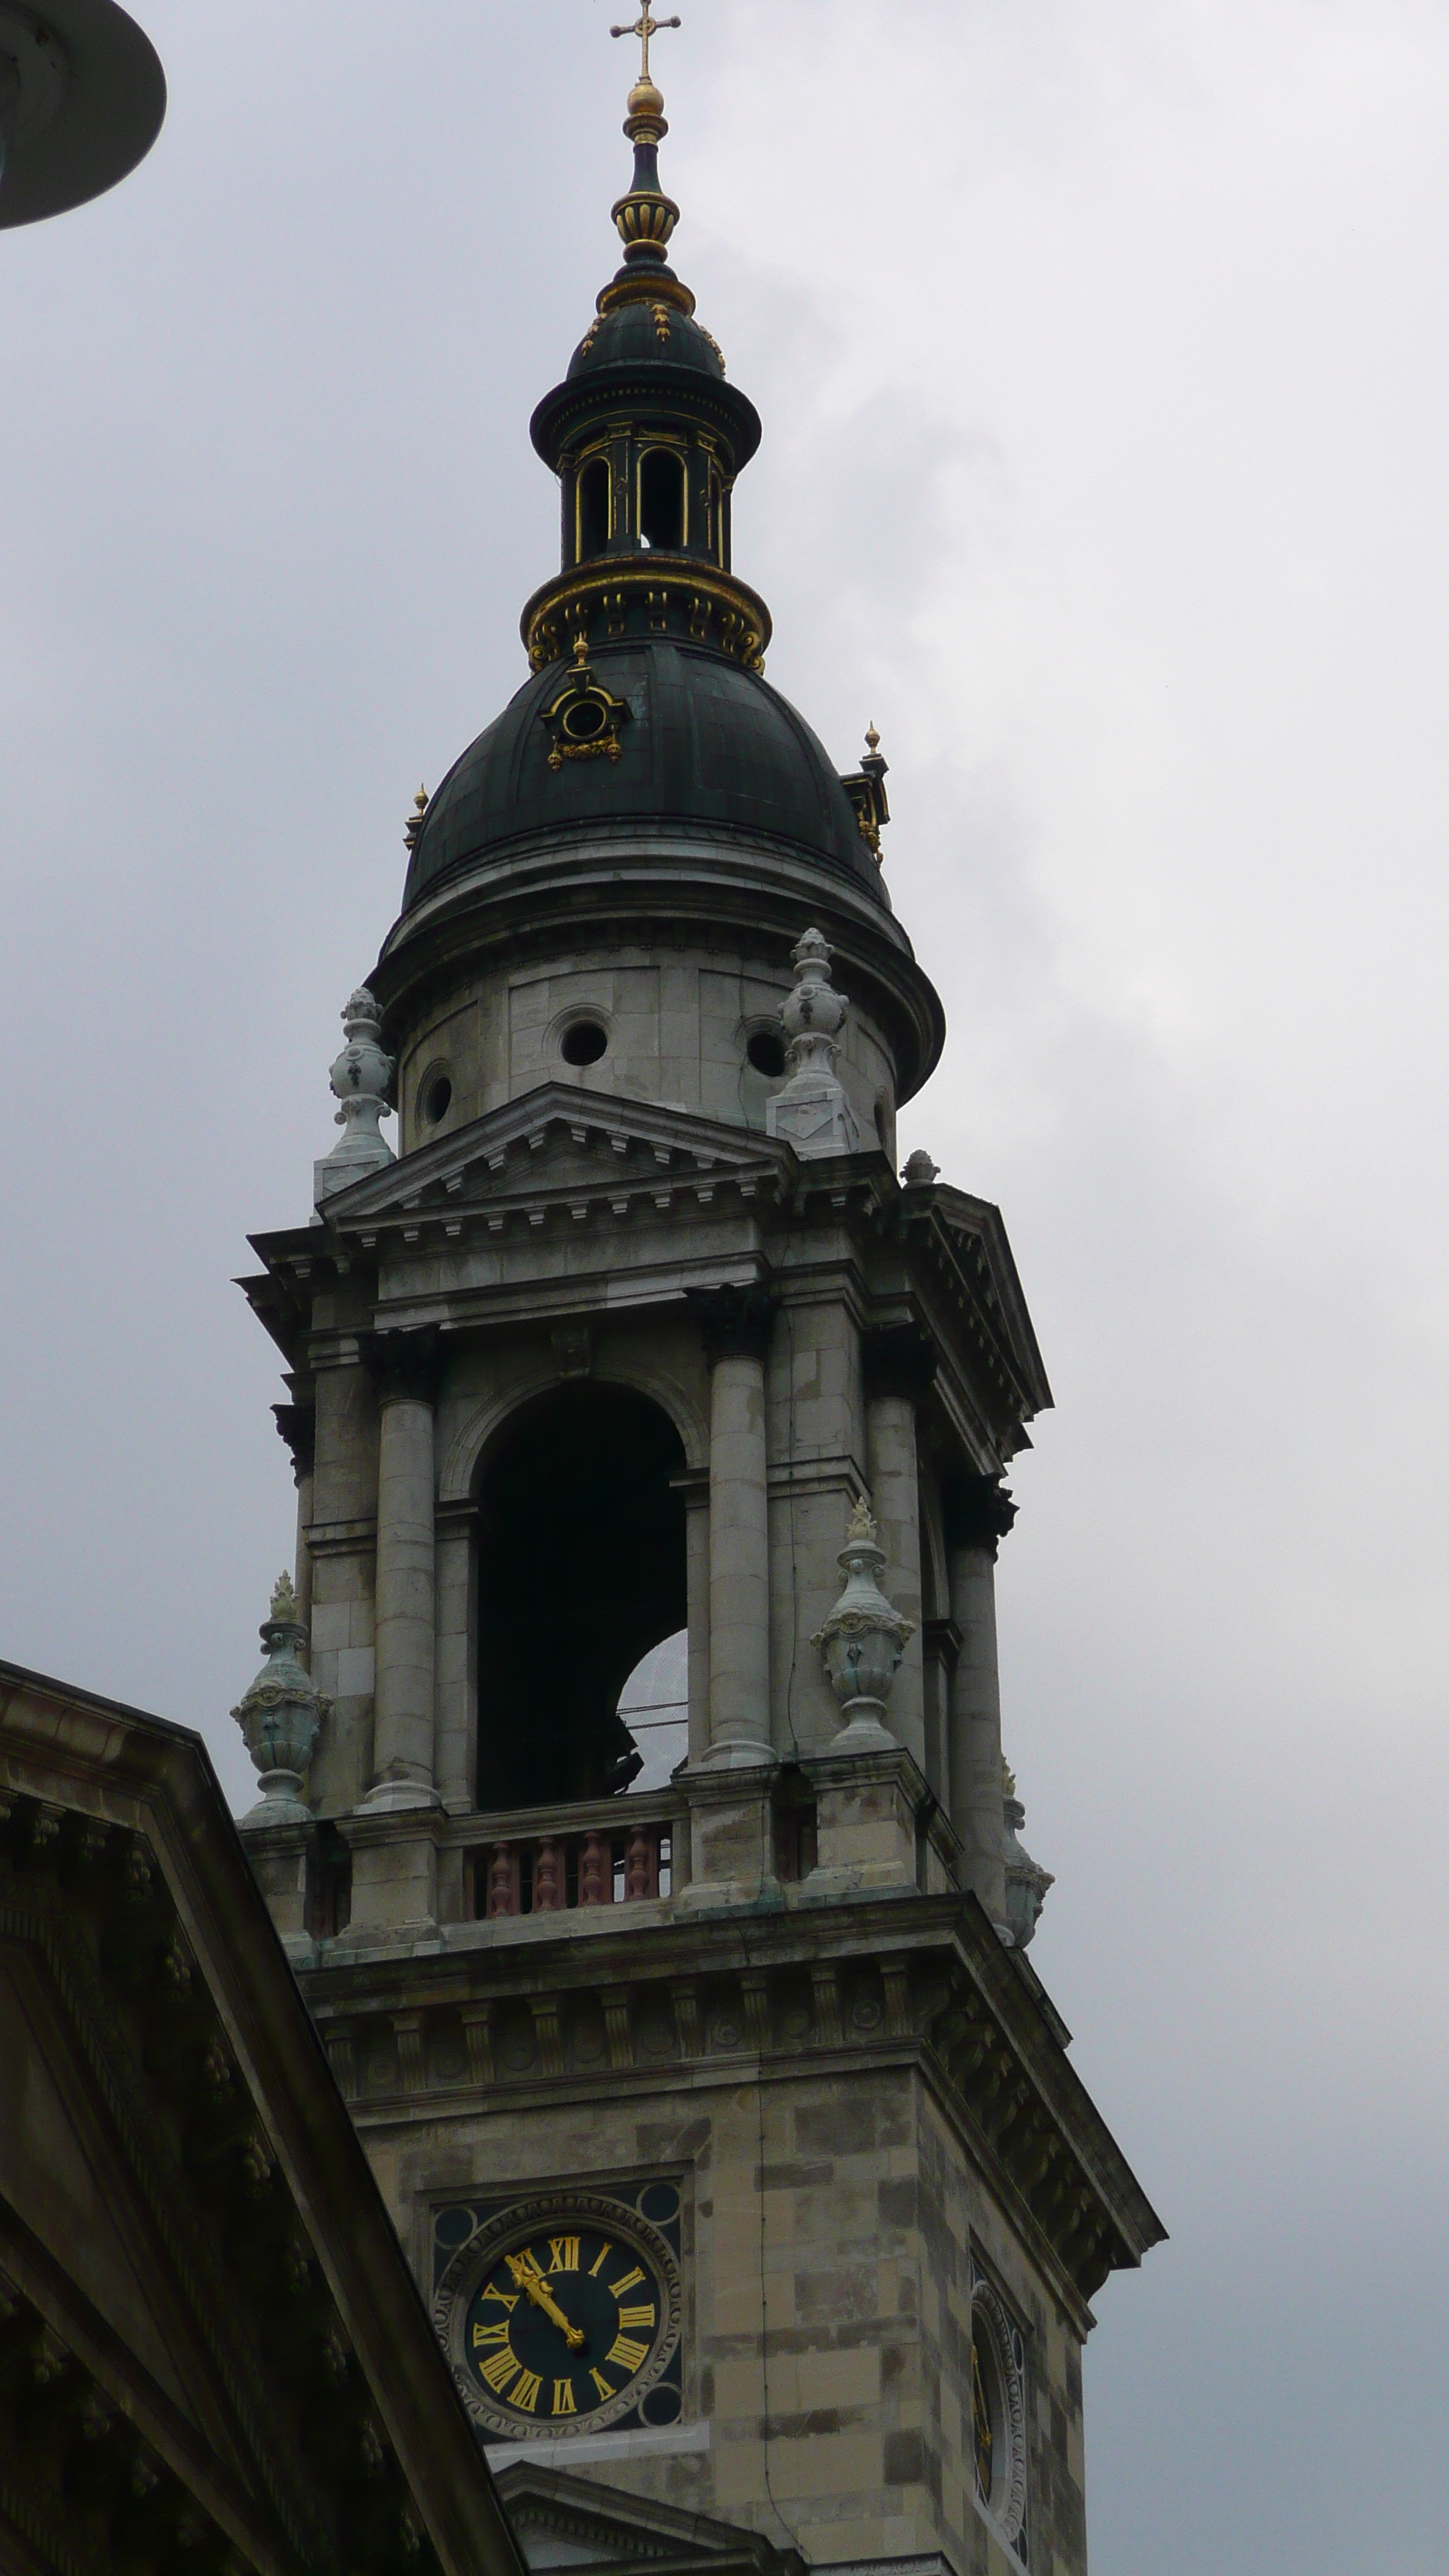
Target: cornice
(114, 1829)
(904, 1980)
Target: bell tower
(634, 1807)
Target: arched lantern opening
(593, 508)
(661, 499)
(581, 1570)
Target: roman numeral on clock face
(484, 2335)
(630, 2281)
(626, 2352)
(498, 2369)
(636, 2316)
(563, 2397)
(563, 2253)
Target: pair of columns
(736, 1324)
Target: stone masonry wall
(828, 2226)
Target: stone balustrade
(551, 1873)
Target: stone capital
(297, 1424)
(736, 1323)
(978, 1512)
(898, 1359)
(404, 1365)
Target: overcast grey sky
(1101, 349)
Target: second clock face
(563, 2322)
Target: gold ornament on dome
(584, 721)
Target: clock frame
(559, 2315)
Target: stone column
(455, 1731)
(978, 1514)
(696, 1544)
(899, 1366)
(405, 1368)
(297, 1423)
(737, 1323)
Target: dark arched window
(661, 499)
(581, 1569)
(593, 508)
(717, 516)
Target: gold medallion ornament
(559, 2316)
(584, 721)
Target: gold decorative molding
(671, 593)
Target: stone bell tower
(696, 2045)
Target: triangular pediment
(975, 1230)
(564, 2521)
(554, 1140)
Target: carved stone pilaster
(825, 1982)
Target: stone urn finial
(1026, 1881)
(811, 1110)
(280, 1715)
(863, 1640)
(359, 1079)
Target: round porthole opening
(437, 1099)
(584, 1043)
(766, 1053)
(585, 720)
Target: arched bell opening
(661, 499)
(581, 1570)
(591, 509)
(719, 540)
(654, 1705)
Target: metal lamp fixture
(82, 96)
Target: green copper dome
(706, 747)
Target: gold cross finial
(644, 27)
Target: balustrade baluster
(641, 1863)
(503, 1880)
(596, 1872)
(548, 1877)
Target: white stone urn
(359, 1078)
(811, 1109)
(862, 1641)
(1026, 1881)
(281, 1715)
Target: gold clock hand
(530, 2280)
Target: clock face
(564, 2322)
(563, 2314)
